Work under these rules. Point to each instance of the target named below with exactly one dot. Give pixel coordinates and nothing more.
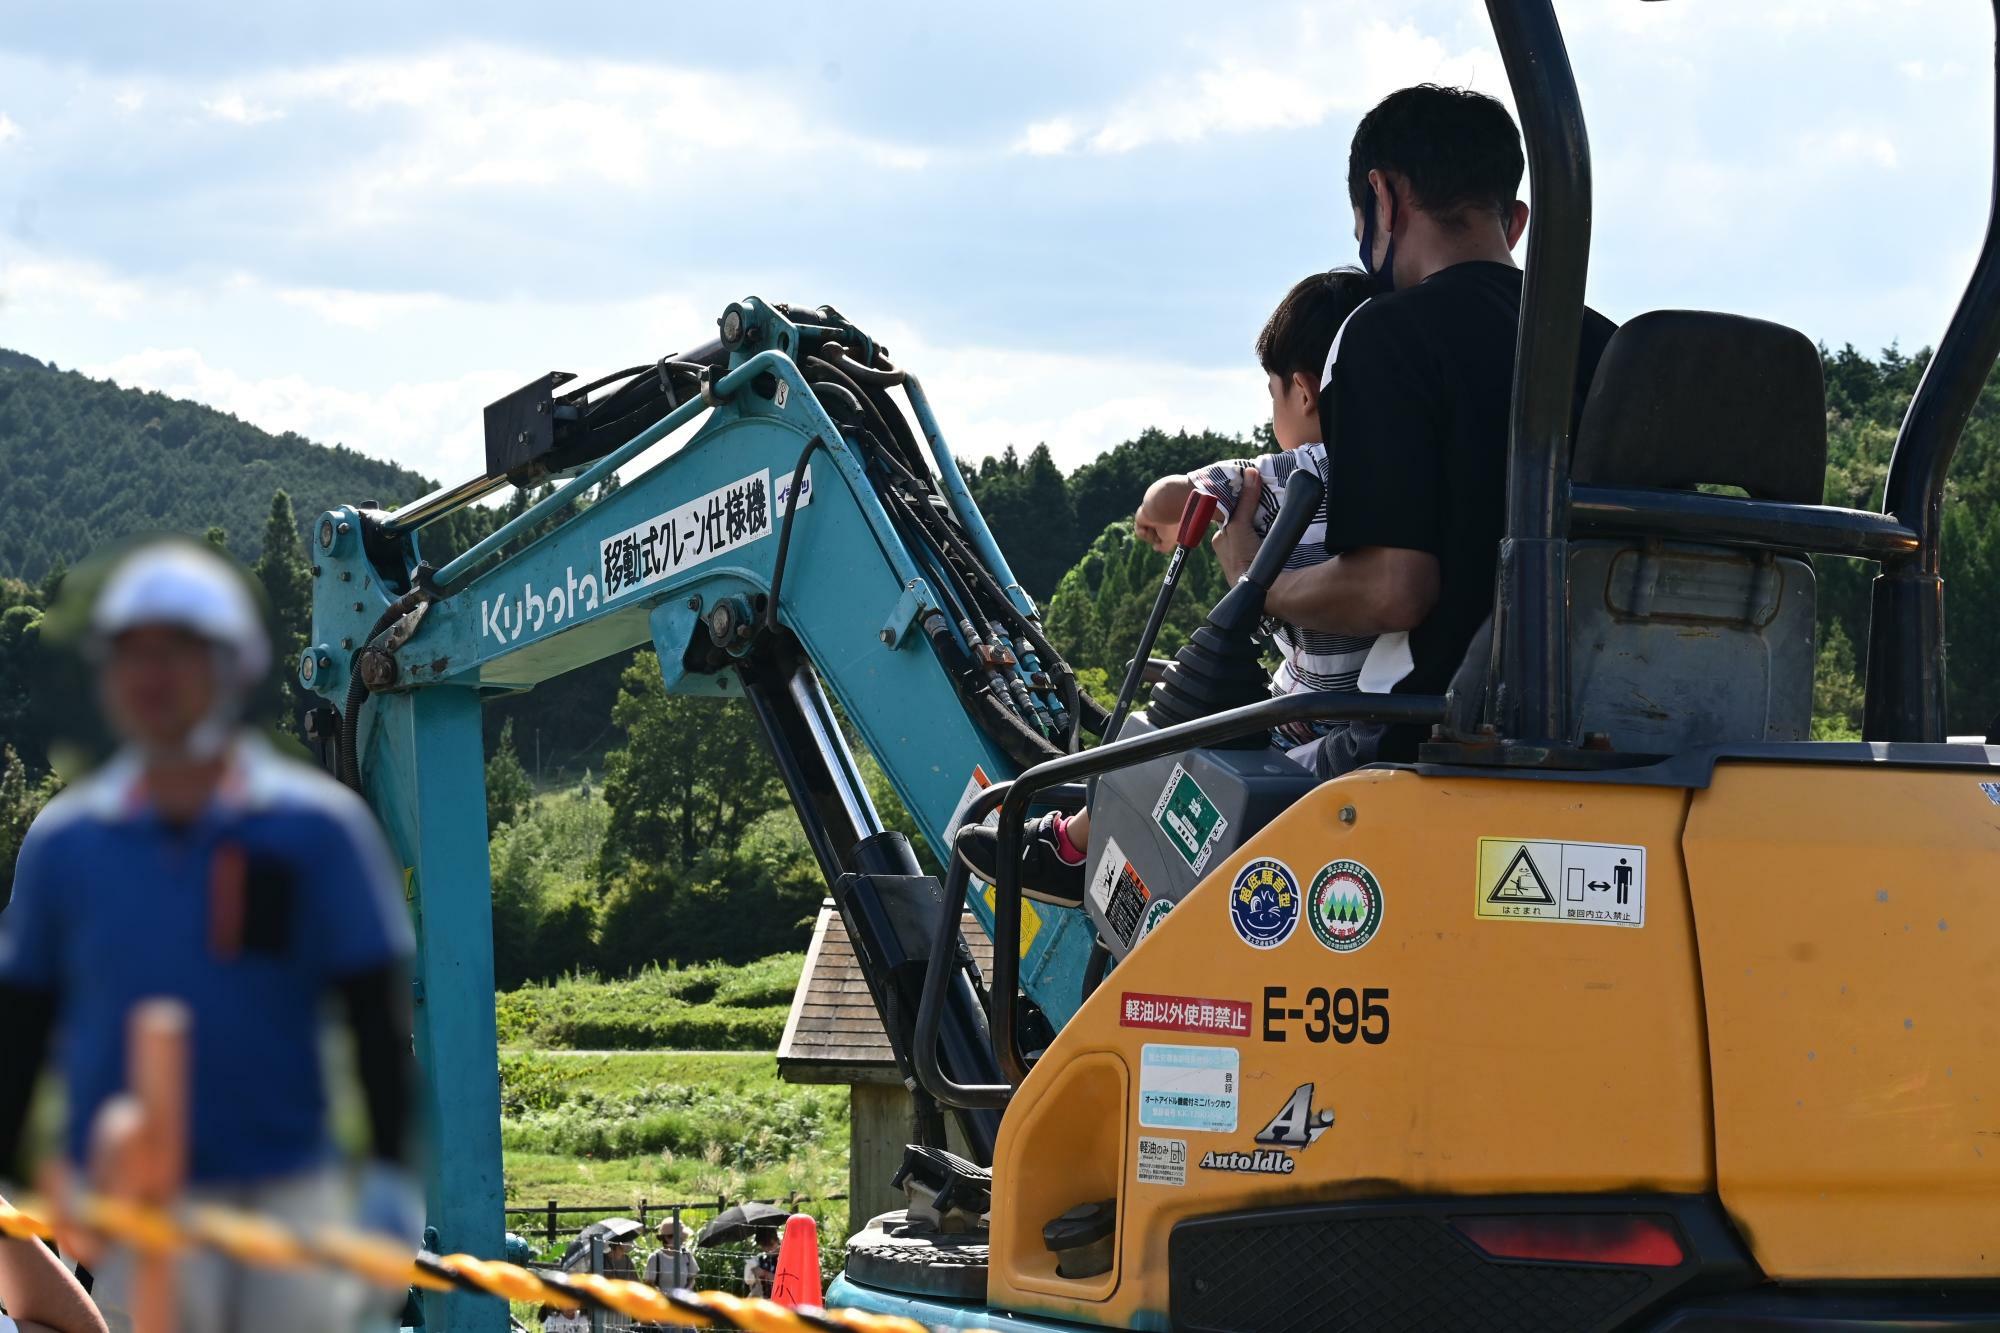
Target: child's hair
(1300, 331)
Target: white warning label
(1162, 1161)
(1596, 883)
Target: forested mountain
(84, 462)
(1045, 521)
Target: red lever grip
(1195, 518)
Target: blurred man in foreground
(199, 865)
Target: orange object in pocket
(227, 876)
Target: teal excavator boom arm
(797, 540)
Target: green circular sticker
(1344, 905)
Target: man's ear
(1384, 191)
(1517, 223)
(1306, 389)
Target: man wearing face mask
(1414, 406)
(198, 865)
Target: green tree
(1100, 607)
(691, 776)
(508, 791)
(52, 582)
(281, 567)
(1837, 689)
(24, 717)
(544, 888)
(22, 797)
(738, 902)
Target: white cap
(184, 586)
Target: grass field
(586, 1117)
(711, 1006)
(600, 1128)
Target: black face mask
(1385, 277)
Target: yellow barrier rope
(250, 1239)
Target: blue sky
(365, 222)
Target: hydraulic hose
(887, 377)
(357, 692)
(1059, 670)
(870, 384)
(1003, 608)
(996, 718)
(1022, 744)
(821, 376)
(785, 531)
(875, 402)
(877, 385)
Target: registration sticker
(1189, 1087)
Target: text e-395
(1342, 1016)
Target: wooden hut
(834, 1035)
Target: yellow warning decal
(1588, 883)
(1031, 920)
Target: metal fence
(718, 1267)
(648, 1213)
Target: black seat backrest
(1684, 398)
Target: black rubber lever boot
(1220, 666)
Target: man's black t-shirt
(1416, 430)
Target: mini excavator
(1626, 1006)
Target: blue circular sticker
(1264, 903)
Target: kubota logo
(505, 617)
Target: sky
(364, 222)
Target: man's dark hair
(1457, 151)
(1299, 332)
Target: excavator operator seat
(1676, 645)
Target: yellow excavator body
(1777, 988)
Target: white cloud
(239, 110)
(1850, 146)
(46, 283)
(1300, 83)
(1079, 405)
(484, 117)
(1046, 138)
(431, 425)
(9, 129)
(360, 310)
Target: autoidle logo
(1297, 1125)
(506, 617)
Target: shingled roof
(833, 1034)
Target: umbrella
(740, 1222)
(612, 1229)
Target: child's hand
(1237, 544)
(1158, 521)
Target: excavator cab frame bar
(1905, 675)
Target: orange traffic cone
(797, 1282)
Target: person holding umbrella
(617, 1234)
(756, 1222)
(671, 1267)
(760, 1270)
